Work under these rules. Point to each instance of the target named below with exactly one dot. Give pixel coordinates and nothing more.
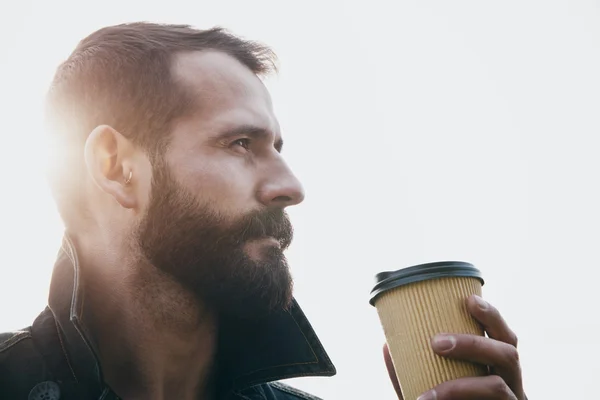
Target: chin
(269, 288)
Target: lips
(272, 240)
(263, 225)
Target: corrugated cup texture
(413, 314)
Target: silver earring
(128, 180)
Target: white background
(422, 130)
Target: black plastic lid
(443, 269)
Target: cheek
(228, 187)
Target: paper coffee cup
(415, 304)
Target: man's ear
(109, 161)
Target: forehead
(223, 90)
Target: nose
(281, 189)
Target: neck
(154, 339)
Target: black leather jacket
(55, 358)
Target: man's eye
(245, 143)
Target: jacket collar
(282, 346)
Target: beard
(204, 251)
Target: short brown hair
(121, 76)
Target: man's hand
(498, 352)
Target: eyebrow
(251, 131)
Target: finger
(477, 349)
(391, 371)
(490, 387)
(492, 321)
(503, 357)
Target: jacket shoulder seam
(293, 391)
(14, 339)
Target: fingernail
(431, 395)
(481, 302)
(443, 343)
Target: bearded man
(171, 282)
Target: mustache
(273, 223)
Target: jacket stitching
(14, 339)
(244, 397)
(293, 391)
(104, 394)
(241, 396)
(67, 248)
(62, 346)
(285, 376)
(319, 344)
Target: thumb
(391, 372)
